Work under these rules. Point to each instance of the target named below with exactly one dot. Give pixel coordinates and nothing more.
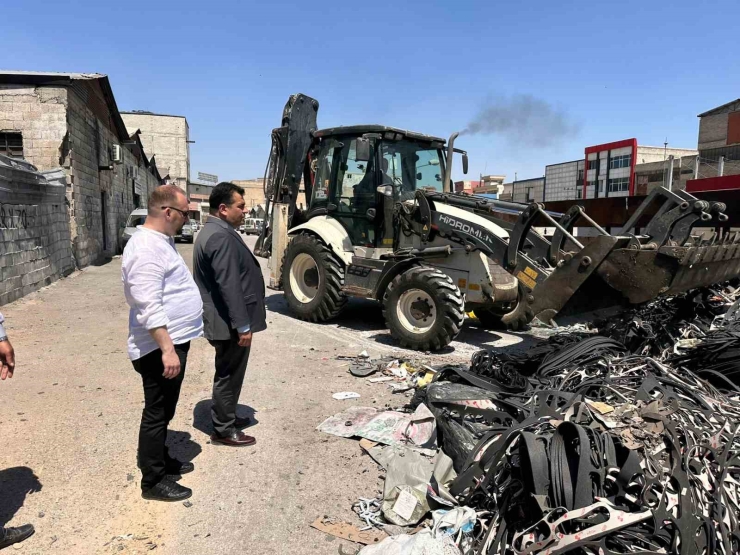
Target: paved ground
(69, 418)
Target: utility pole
(721, 170)
(696, 167)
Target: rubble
(625, 441)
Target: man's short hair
(223, 193)
(164, 195)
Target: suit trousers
(160, 401)
(231, 365)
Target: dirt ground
(69, 423)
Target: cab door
(353, 200)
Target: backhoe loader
(382, 223)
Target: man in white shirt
(10, 535)
(166, 314)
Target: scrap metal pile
(583, 446)
(625, 442)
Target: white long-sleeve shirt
(160, 291)
(2, 329)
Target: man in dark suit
(233, 292)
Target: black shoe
(178, 468)
(15, 535)
(167, 490)
(241, 423)
(235, 439)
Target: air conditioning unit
(116, 154)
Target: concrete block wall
(35, 247)
(91, 139)
(39, 114)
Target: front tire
(424, 309)
(312, 277)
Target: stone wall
(39, 114)
(35, 247)
(102, 193)
(73, 127)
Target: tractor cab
(359, 172)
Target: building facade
(611, 168)
(166, 137)
(466, 186)
(528, 190)
(490, 185)
(70, 122)
(564, 181)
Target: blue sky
(614, 70)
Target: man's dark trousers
(160, 401)
(231, 365)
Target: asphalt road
(69, 420)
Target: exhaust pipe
(448, 162)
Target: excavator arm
(287, 166)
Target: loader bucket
(643, 275)
(666, 259)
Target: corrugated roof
(147, 113)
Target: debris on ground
(348, 531)
(344, 395)
(620, 439)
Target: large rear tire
(312, 278)
(424, 309)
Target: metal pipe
(448, 162)
(561, 228)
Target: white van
(252, 226)
(137, 217)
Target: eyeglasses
(183, 212)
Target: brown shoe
(237, 439)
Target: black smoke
(524, 120)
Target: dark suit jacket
(230, 281)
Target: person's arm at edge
(7, 354)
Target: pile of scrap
(627, 442)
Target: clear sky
(602, 71)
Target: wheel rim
(416, 311)
(304, 278)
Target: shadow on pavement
(202, 416)
(362, 315)
(181, 446)
(15, 484)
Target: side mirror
(386, 190)
(465, 162)
(362, 150)
(418, 176)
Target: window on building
(623, 161)
(591, 183)
(593, 164)
(619, 184)
(11, 144)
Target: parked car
(252, 226)
(195, 225)
(187, 234)
(137, 217)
